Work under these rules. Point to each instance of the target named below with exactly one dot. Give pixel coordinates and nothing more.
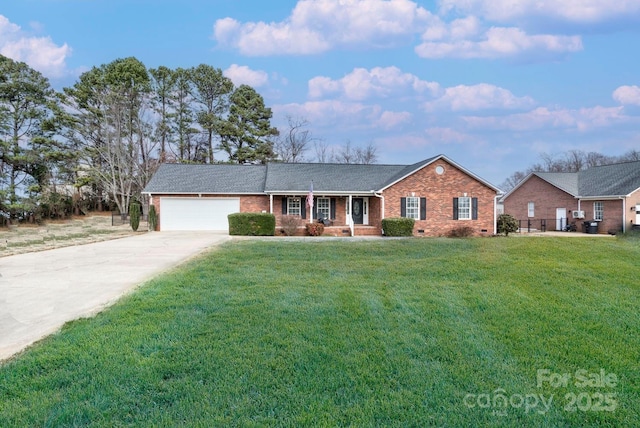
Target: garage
(197, 213)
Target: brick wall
(439, 190)
(546, 199)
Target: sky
(491, 84)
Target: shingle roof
(281, 177)
(217, 178)
(328, 177)
(608, 180)
(567, 181)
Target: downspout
(270, 203)
(495, 215)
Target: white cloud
(345, 115)
(576, 11)
(497, 42)
(316, 26)
(627, 95)
(392, 119)
(543, 118)
(379, 82)
(243, 75)
(40, 53)
(478, 97)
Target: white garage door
(197, 213)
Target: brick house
(351, 199)
(608, 195)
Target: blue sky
(492, 84)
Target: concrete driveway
(41, 291)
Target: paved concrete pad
(41, 291)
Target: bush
(398, 226)
(315, 229)
(134, 215)
(153, 218)
(252, 224)
(507, 224)
(461, 232)
(290, 224)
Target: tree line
(94, 145)
(569, 161)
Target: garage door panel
(197, 213)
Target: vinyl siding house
(353, 199)
(608, 195)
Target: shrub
(507, 224)
(252, 224)
(153, 218)
(290, 224)
(461, 232)
(398, 226)
(134, 215)
(315, 229)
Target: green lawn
(409, 332)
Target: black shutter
(332, 208)
(474, 208)
(284, 205)
(423, 208)
(403, 207)
(303, 208)
(455, 208)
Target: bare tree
(292, 143)
(323, 153)
(367, 155)
(345, 155)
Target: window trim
(531, 209)
(319, 213)
(465, 210)
(600, 211)
(415, 209)
(291, 209)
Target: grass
(415, 332)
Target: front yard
(415, 332)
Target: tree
(507, 224)
(184, 119)
(291, 144)
(247, 132)
(164, 82)
(211, 91)
(111, 129)
(358, 155)
(28, 152)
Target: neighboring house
(608, 195)
(438, 193)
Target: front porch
(342, 215)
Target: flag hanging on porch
(310, 197)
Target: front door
(357, 210)
(561, 218)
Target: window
(464, 208)
(293, 206)
(531, 209)
(598, 211)
(323, 205)
(413, 208)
